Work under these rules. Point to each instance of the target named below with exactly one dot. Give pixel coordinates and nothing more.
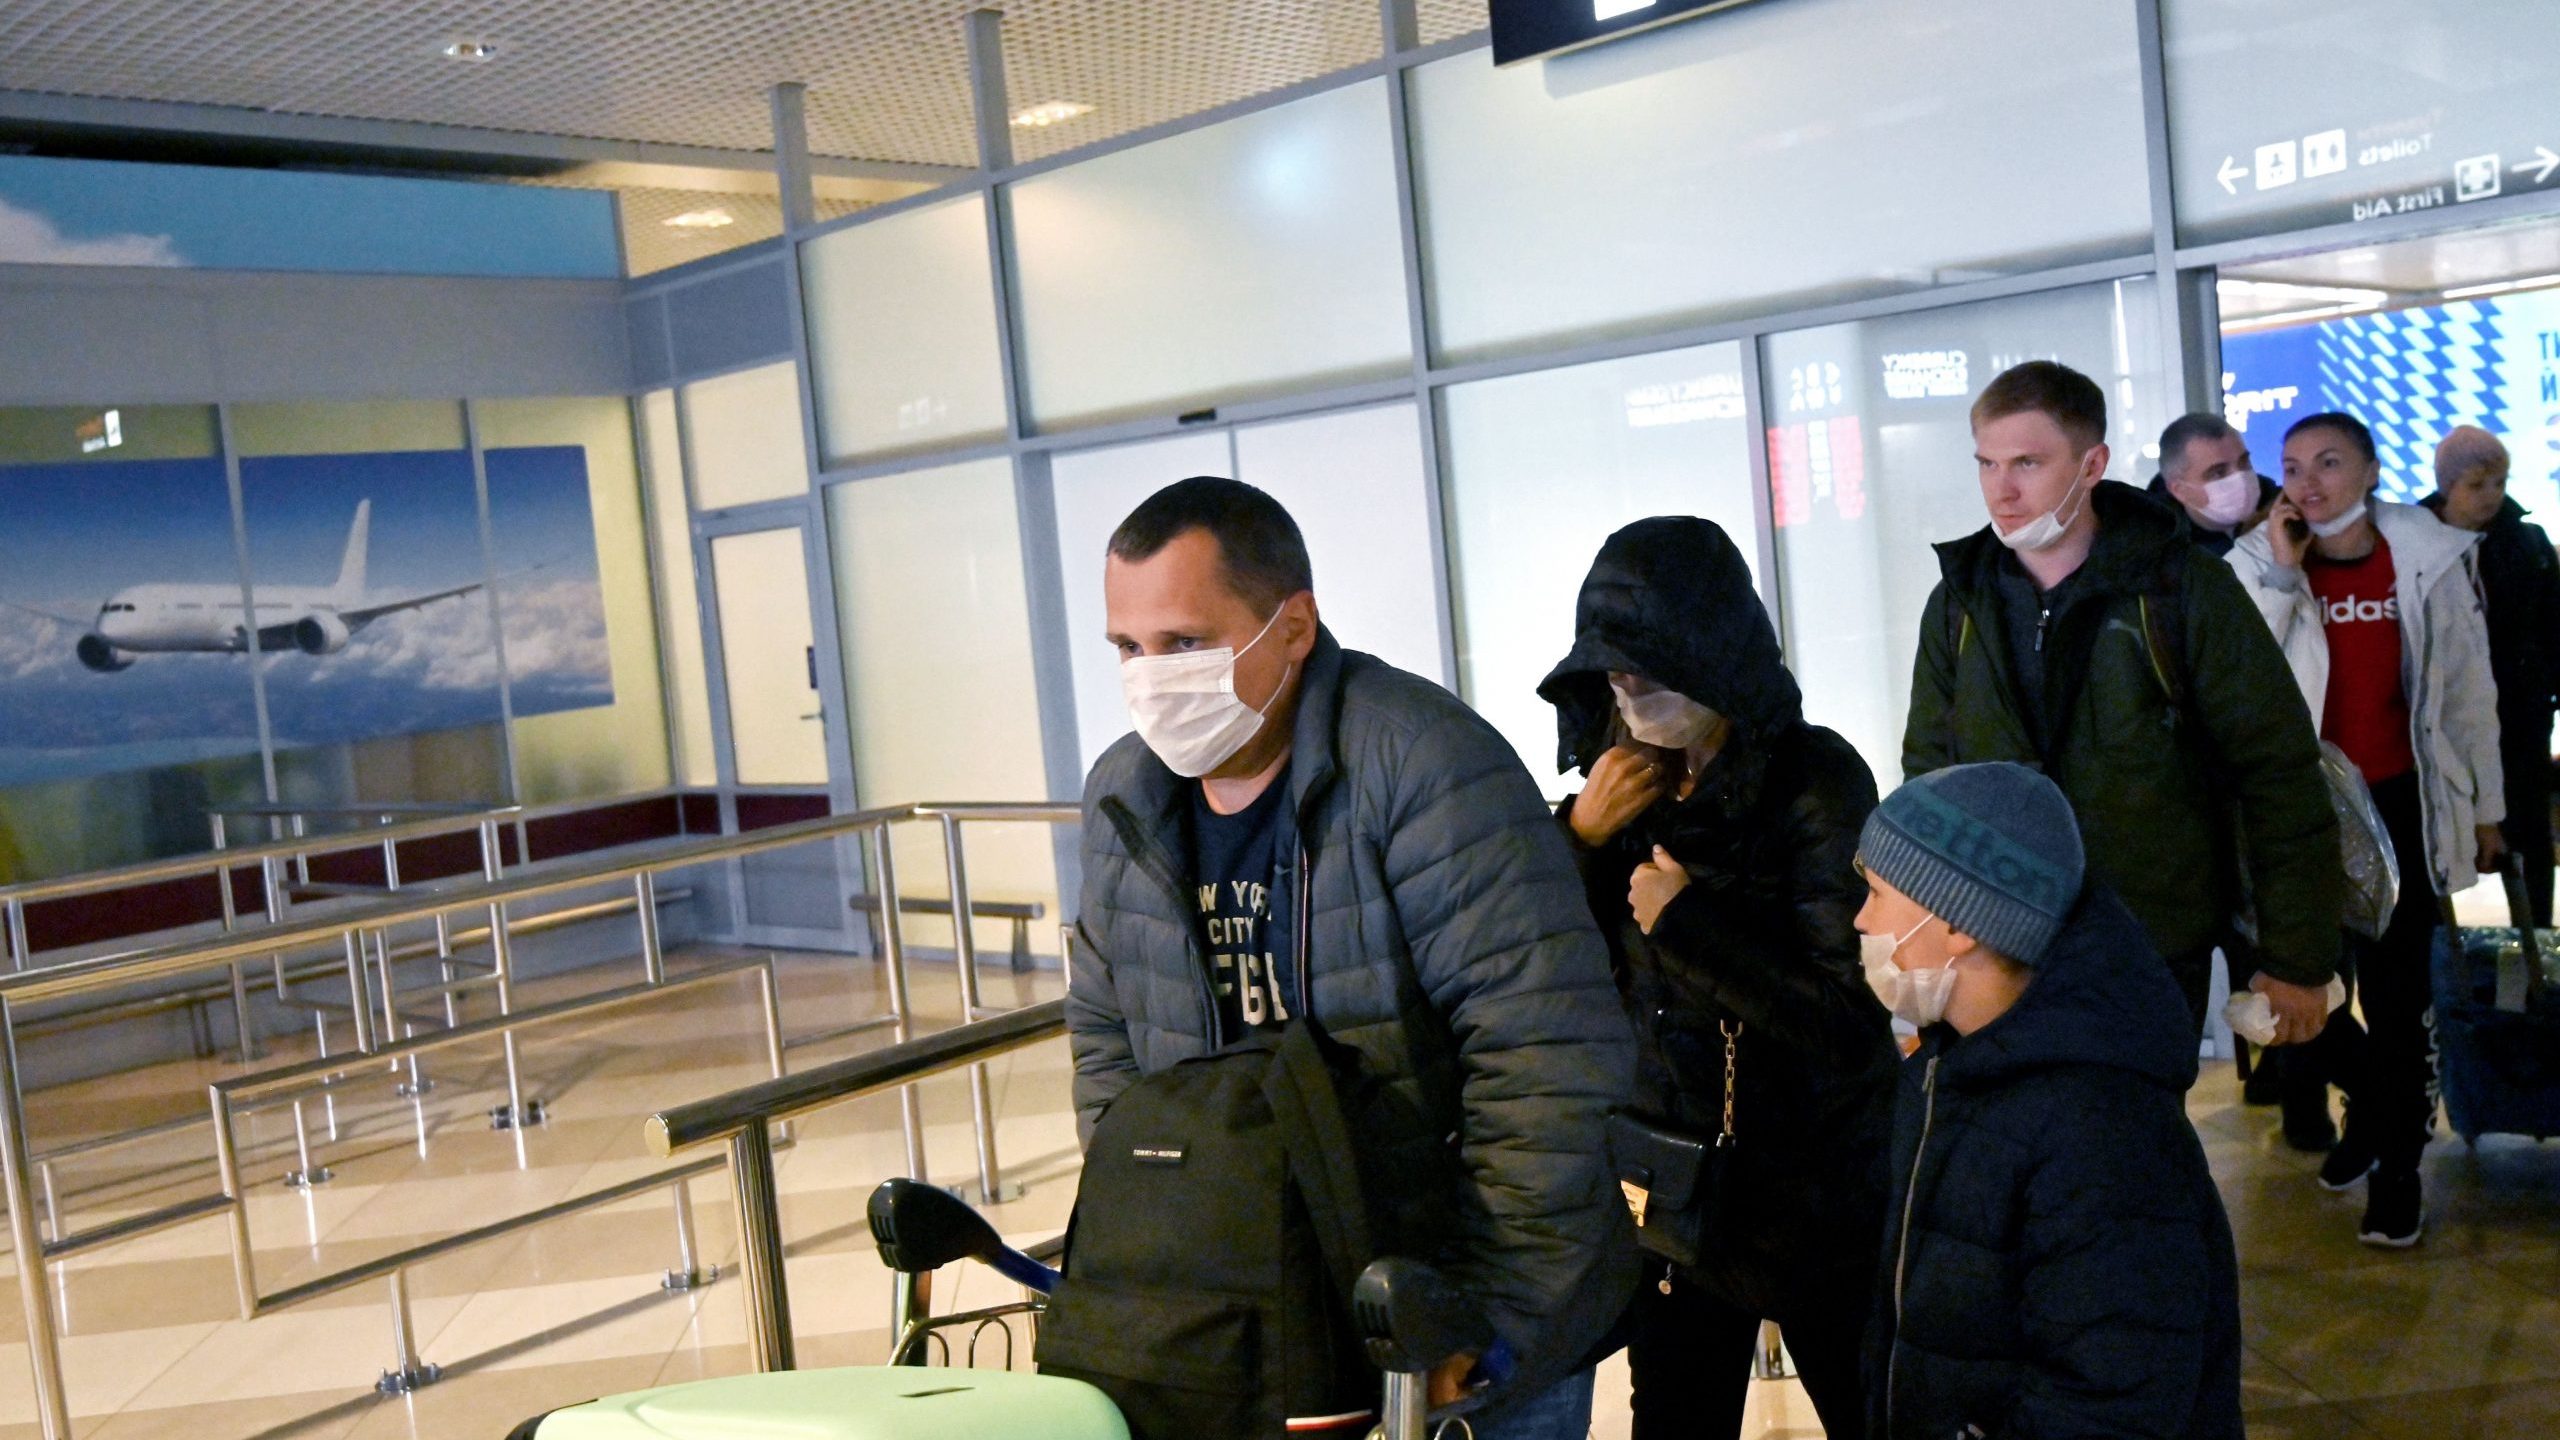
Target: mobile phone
(2298, 528)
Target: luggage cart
(1409, 1317)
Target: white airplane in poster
(161, 619)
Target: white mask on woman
(1186, 708)
(1918, 996)
(1663, 717)
(2346, 521)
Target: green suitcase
(902, 1402)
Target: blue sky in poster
(77, 533)
(102, 212)
(2412, 375)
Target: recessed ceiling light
(475, 52)
(701, 220)
(1050, 112)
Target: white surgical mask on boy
(1664, 717)
(2230, 499)
(2046, 530)
(2346, 521)
(1186, 708)
(1918, 996)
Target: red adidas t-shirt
(2367, 709)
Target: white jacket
(2444, 666)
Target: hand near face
(1654, 886)
(1624, 784)
(2288, 534)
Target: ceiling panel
(888, 79)
(1439, 20)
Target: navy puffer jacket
(1444, 905)
(2059, 1263)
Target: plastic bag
(2254, 1020)
(2373, 867)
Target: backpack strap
(1324, 1161)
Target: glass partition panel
(574, 604)
(1871, 462)
(768, 655)
(928, 571)
(1254, 256)
(373, 612)
(679, 603)
(127, 709)
(2370, 108)
(1681, 176)
(902, 332)
(1541, 468)
(742, 438)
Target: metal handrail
(744, 1118)
(350, 927)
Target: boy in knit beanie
(2060, 1262)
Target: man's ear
(1298, 626)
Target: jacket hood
(2100, 996)
(2136, 536)
(1669, 599)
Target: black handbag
(1675, 1181)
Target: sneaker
(2395, 1211)
(2350, 1161)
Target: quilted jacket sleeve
(1097, 1034)
(1487, 898)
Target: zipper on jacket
(1902, 1247)
(2044, 617)
(1151, 858)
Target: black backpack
(1219, 1227)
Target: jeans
(1562, 1411)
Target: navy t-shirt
(1233, 861)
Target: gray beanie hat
(1991, 849)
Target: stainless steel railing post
(964, 953)
(248, 1033)
(1403, 1415)
(18, 956)
(226, 1160)
(768, 1301)
(653, 957)
(690, 1273)
(893, 957)
(304, 1173)
(517, 1115)
(359, 993)
(408, 1372)
(445, 970)
(44, 1348)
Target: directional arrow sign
(2231, 170)
(2542, 164)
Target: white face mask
(2046, 530)
(1664, 717)
(2330, 529)
(2230, 500)
(1185, 705)
(1918, 996)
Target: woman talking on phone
(1716, 837)
(2378, 608)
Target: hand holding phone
(2288, 533)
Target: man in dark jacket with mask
(1715, 837)
(2060, 1264)
(1443, 916)
(2205, 476)
(2081, 633)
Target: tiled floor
(2458, 1338)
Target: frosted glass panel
(902, 332)
(1354, 482)
(777, 733)
(937, 653)
(1253, 256)
(1871, 462)
(742, 437)
(1541, 469)
(679, 603)
(1775, 156)
(1096, 490)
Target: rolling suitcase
(888, 1402)
(2498, 1024)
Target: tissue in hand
(2253, 1020)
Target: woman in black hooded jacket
(1716, 836)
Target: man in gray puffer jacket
(1444, 919)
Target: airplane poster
(126, 646)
